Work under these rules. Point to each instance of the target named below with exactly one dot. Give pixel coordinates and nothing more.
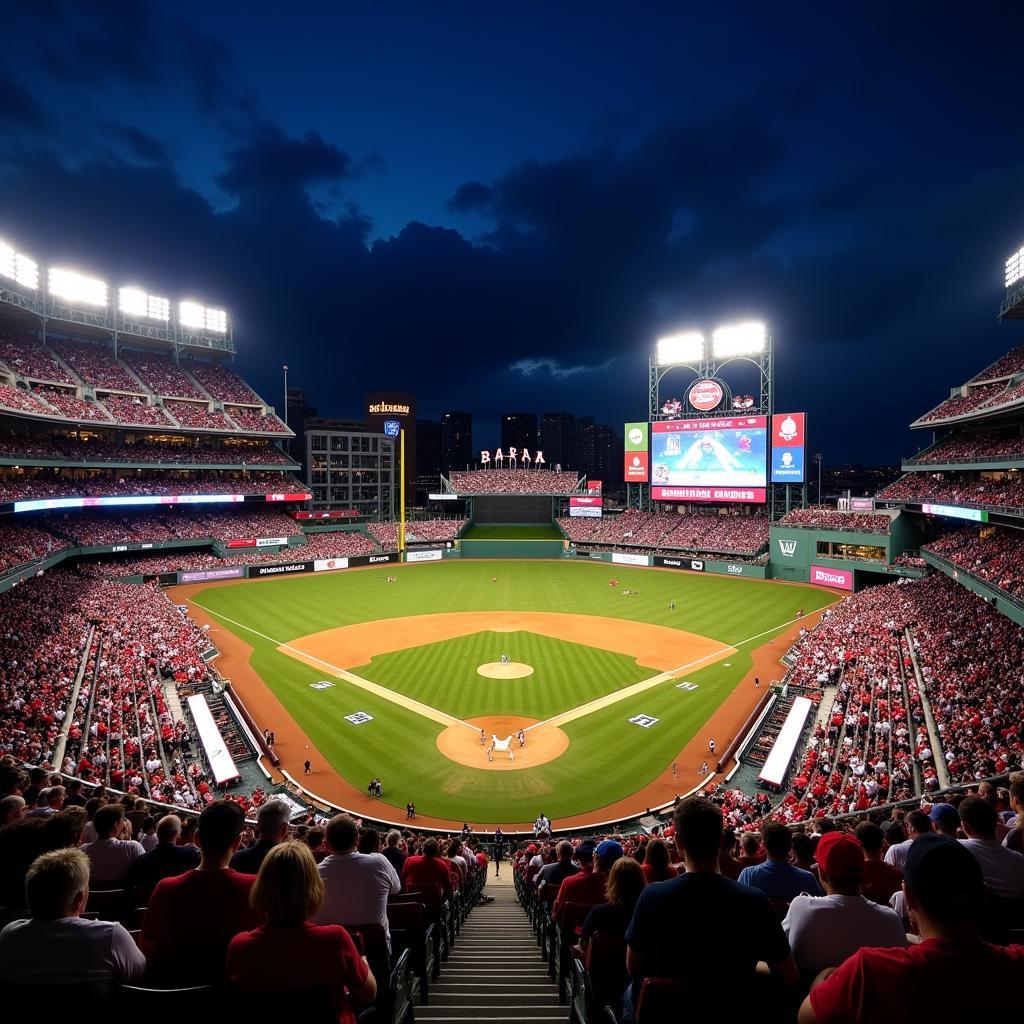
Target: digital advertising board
(721, 459)
(635, 466)
(789, 433)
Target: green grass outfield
(499, 531)
(608, 758)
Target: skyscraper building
(519, 430)
(456, 441)
(558, 438)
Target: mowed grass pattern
(444, 675)
(609, 758)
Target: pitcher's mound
(543, 743)
(505, 670)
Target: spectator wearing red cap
(945, 893)
(824, 930)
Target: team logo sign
(359, 718)
(788, 429)
(689, 687)
(787, 548)
(391, 428)
(324, 684)
(644, 721)
(705, 395)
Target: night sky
(502, 208)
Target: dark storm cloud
(18, 107)
(136, 144)
(269, 160)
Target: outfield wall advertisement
(434, 555)
(625, 558)
(826, 576)
(721, 459)
(585, 507)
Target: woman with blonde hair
(288, 951)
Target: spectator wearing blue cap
(587, 886)
(945, 819)
(945, 893)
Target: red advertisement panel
(290, 496)
(718, 423)
(753, 495)
(578, 502)
(635, 468)
(594, 487)
(247, 542)
(788, 429)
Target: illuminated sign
(840, 579)
(388, 408)
(290, 496)
(48, 504)
(635, 468)
(705, 395)
(514, 455)
(788, 447)
(975, 515)
(391, 428)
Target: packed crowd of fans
(221, 383)
(47, 483)
(252, 419)
(513, 481)
(822, 517)
(995, 555)
(698, 531)
(949, 488)
(960, 405)
(96, 366)
(70, 406)
(198, 415)
(422, 530)
(12, 397)
(973, 448)
(162, 375)
(28, 357)
(132, 409)
(93, 450)
(1005, 366)
(21, 543)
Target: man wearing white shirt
(57, 947)
(824, 930)
(918, 824)
(1002, 869)
(356, 885)
(112, 854)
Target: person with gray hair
(11, 809)
(271, 828)
(50, 802)
(57, 947)
(393, 852)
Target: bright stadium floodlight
(67, 284)
(193, 314)
(687, 347)
(18, 267)
(135, 302)
(739, 340)
(1015, 267)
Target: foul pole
(401, 493)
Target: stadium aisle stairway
(494, 972)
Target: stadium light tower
(18, 267)
(202, 318)
(676, 349)
(76, 288)
(135, 302)
(733, 340)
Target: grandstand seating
(997, 556)
(25, 486)
(219, 382)
(133, 410)
(27, 357)
(198, 415)
(435, 530)
(973, 448)
(97, 366)
(513, 481)
(250, 419)
(68, 405)
(950, 488)
(1005, 366)
(12, 397)
(162, 375)
(824, 518)
(93, 451)
(695, 531)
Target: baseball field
(424, 681)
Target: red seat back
(573, 916)
(605, 962)
(662, 1001)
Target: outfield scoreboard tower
(738, 350)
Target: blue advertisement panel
(789, 439)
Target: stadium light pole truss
(134, 302)
(21, 269)
(1015, 268)
(202, 318)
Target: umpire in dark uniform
(499, 850)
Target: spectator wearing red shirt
(881, 880)
(656, 866)
(427, 868)
(945, 892)
(192, 918)
(588, 886)
(288, 952)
